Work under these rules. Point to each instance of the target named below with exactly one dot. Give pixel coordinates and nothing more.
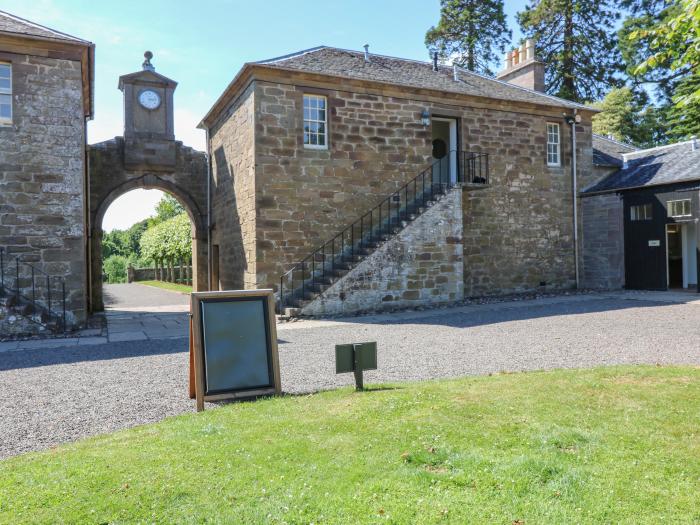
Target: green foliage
(646, 15)
(170, 240)
(577, 42)
(114, 268)
(668, 44)
(627, 118)
(684, 116)
(608, 445)
(167, 208)
(123, 242)
(470, 33)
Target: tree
(635, 43)
(628, 117)
(470, 33)
(167, 208)
(577, 42)
(168, 243)
(672, 46)
(114, 268)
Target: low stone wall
(421, 265)
(151, 274)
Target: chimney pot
(529, 49)
(508, 61)
(694, 142)
(435, 61)
(515, 57)
(455, 73)
(366, 46)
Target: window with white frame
(315, 122)
(5, 94)
(679, 208)
(553, 144)
(641, 212)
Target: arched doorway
(148, 181)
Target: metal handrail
(35, 303)
(382, 220)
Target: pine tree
(577, 42)
(471, 33)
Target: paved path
(136, 312)
(53, 395)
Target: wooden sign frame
(198, 360)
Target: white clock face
(149, 99)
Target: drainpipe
(209, 245)
(574, 189)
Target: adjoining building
(46, 97)
(312, 151)
(641, 221)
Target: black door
(645, 243)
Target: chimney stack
(366, 46)
(522, 68)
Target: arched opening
(175, 266)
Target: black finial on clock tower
(147, 66)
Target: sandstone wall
(233, 192)
(518, 233)
(603, 242)
(42, 174)
(422, 265)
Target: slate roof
(412, 73)
(608, 152)
(653, 167)
(13, 24)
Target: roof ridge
(619, 142)
(665, 146)
(60, 34)
(427, 63)
(291, 55)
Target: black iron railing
(317, 270)
(31, 286)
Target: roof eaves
(58, 34)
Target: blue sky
(203, 44)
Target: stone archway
(109, 179)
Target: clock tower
(149, 135)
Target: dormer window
(315, 122)
(5, 94)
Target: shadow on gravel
(494, 313)
(33, 358)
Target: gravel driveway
(49, 396)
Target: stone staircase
(26, 295)
(318, 285)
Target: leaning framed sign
(234, 345)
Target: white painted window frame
(669, 205)
(5, 121)
(637, 209)
(554, 125)
(310, 96)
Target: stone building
(46, 88)
(641, 219)
(55, 189)
(303, 145)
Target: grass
(609, 445)
(173, 287)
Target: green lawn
(610, 445)
(182, 288)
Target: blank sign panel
(236, 345)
